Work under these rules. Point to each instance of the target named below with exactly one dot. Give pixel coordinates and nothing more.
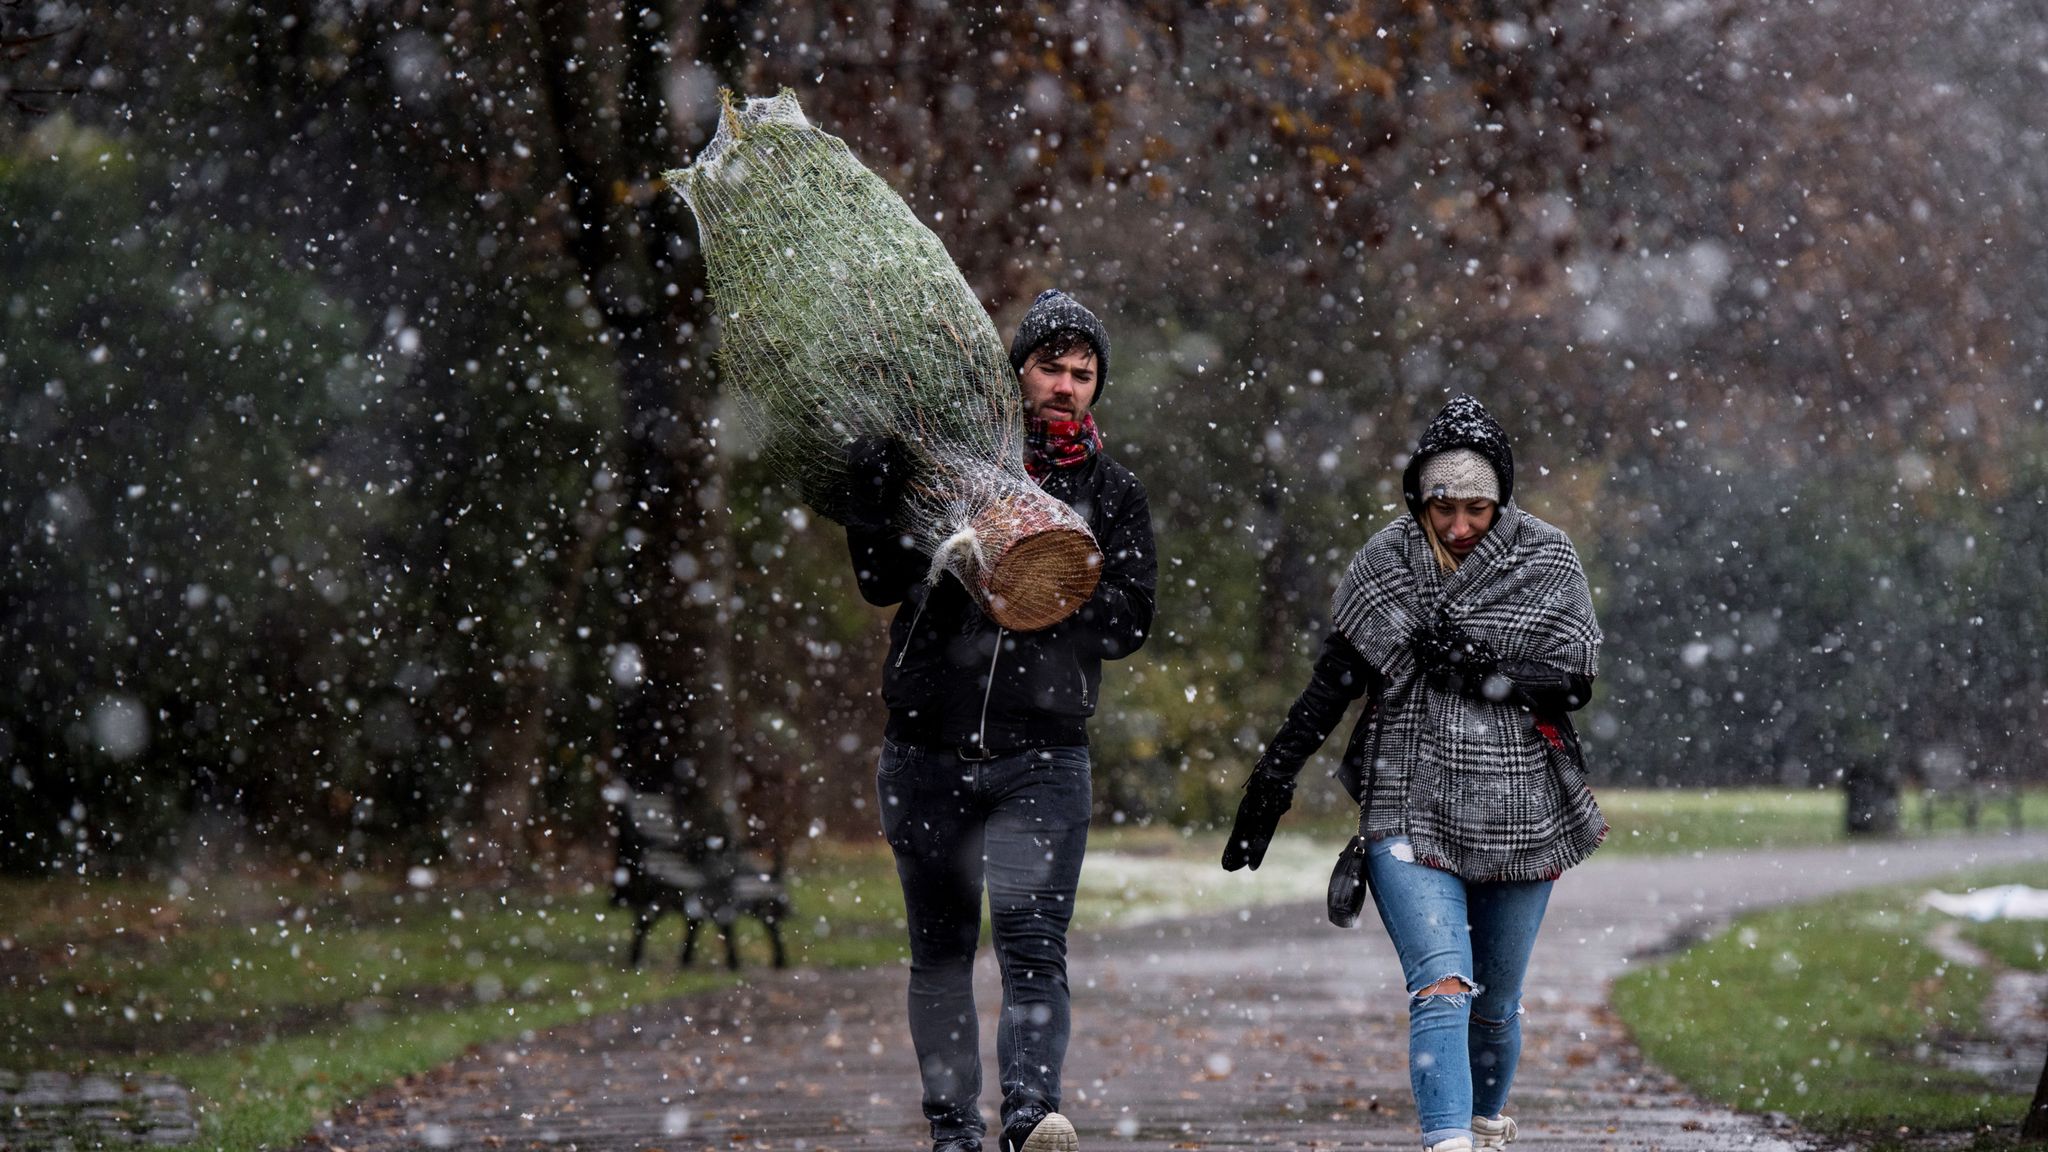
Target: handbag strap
(1372, 772)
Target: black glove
(1266, 796)
(1456, 661)
(876, 467)
(1432, 651)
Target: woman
(1468, 626)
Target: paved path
(1266, 1028)
(60, 1112)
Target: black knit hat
(1463, 423)
(1053, 311)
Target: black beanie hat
(1051, 312)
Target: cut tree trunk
(1039, 569)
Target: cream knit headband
(1459, 474)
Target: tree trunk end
(1040, 571)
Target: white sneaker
(1453, 1144)
(1492, 1132)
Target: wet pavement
(1264, 1028)
(55, 1112)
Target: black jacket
(943, 648)
(1342, 675)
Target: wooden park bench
(655, 873)
(1948, 779)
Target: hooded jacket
(1463, 423)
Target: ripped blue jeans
(1462, 1047)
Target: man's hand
(1266, 796)
(876, 467)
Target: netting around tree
(844, 318)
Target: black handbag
(1347, 883)
(1348, 887)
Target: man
(984, 773)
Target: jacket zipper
(911, 637)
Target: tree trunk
(1872, 790)
(677, 733)
(517, 751)
(636, 251)
(1282, 574)
(521, 741)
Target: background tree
(1752, 284)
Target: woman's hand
(1455, 661)
(1266, 796)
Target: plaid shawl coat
(1477, 787)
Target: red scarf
(1050, 444)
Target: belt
(930, 741)
(972, 751)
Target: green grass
(1660, 821)
(1665, 821)
(271, 1093)
(277, 999)
(2021, 944)
(1654, 821)
(312, 961)
(1834, 1013)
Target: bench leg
(775, 942)
(689, 940)
(642, 923)
(731, 932)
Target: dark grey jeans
(1020, 823)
